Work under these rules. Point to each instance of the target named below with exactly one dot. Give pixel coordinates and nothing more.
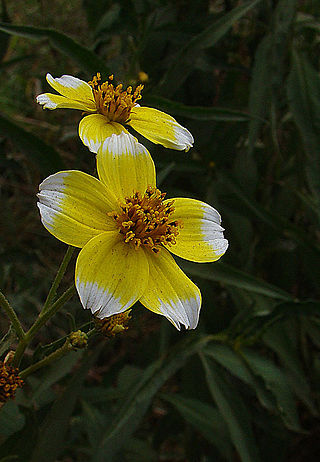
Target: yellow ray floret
(109, 108)
(126, 229)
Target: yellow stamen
(114, 102)
(145, 220)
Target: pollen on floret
(112, 101)
(145, 220)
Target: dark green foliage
(243, 77)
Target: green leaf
(235, 364)
(94, 422)
(233, 410)
(282, 339)
(226, 274)
(54, 373)
(206, 419)
(135, 406)
(11, 419)
(138, 450)
(183, 62)
(107, 20)
(85, 58)
(52, 435)
(290, 309)
(196, 112)
(36, 150)
(304, 102)
(7, 340)
(274, 221)
(10, 458)
(259, 90)
(277, 382)
(268, 71)
(11, 62)
(4, 39)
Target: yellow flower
(125, 228)
(109, 108)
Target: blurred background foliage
(243, 77)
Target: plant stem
(47, 360)
(42, 319)
(12, 316)
(57, 280)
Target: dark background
(243, 77)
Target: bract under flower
(125, 228)
(109, 109)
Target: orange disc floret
(114, 102)
(9, 382)
(145, 220)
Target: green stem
(12, 316)
(92, 332)
(42, 319)
(47, 360)
(58, 278)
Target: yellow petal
(51, 101)
(170, 292)
(74, 207)
(201, 237)
(125, 166)
(73, 88)
(160, 128)
(110, 275)
(94, 129)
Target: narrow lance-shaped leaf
(36, 150)
(234, 363)
(52, 436)
(277, 382)
(4, 39)
(221, 272)
(268, 71)
(276, 222)
(204, 418)
(304, 101)
(282, 338)
(135, 406)
(196, 112)
(81, 55)
(183, 62)
(233, 410)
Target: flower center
(145, 220)
(114, 102)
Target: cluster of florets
(113, 325)
(9, 382)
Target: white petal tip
(184, 140)
(46, 102)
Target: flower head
(113, 325)
(126, 229)
(9, 382)
(77, 340)
(109, 109)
